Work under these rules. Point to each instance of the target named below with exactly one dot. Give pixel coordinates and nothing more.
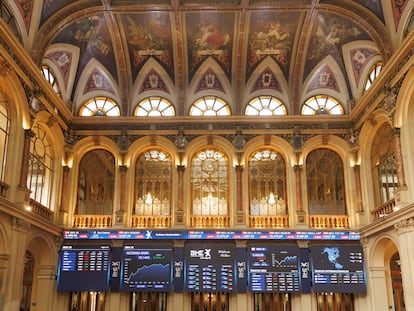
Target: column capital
(239, 168)
(181, 168)
(297, 167)
(123, 168)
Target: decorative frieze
(405, 225)
(19, 224)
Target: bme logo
(201, 253)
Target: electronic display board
(338, 268)
(210, 267)
(209, 235)
(83, 268)
(146, 269)
(274, 268)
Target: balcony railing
(269, 221)
(383, 210)
(151, 221)
(41, 210)
(92, 221)
(329, 221)
(214, 221)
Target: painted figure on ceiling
(210, 38)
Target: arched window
(267, 183)
(265, 106)
(209, 183)
(325, 183)
(40, 173)
(322, 105)
(100, 106)
(96, 183)
(208, 106)
(153, 184)
(154, 107)
(383, 166)
(51, 78)
(373, 74)
(4, 134)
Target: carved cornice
(406, 225)
(19, 224)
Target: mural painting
(398, 7)
(92, 36)
(271, 34)
(148, 36)
(51, 6)
(26, 8)
(375, 6)
(329, 34)
(210, 35)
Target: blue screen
(83, 268)
(338, 269)
(146, 269)
(274, 268)
(210, 267)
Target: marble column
(405, 230)
(378, 289)
(28, 134)
(4, 267)
(359, 206)
(43, 287)
(19, 229)
(398, 157)
(299, 202)
(180, 198)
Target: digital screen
(338, 268)
(83, 268)
(210, 267)
(274, 268)
(208, 235)
(146, 269)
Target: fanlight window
(267, 183)
(4, 134)
(51, 78)
(209, 182)
(153, 184)
(322, 105)
(154, 107)
(208, 106)
(325, 183)
(265, 106)
(39, 179)
(100, 106)
(374, 73)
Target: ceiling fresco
(234, 49)
(210, 35)
(148, 36)
(272, 34)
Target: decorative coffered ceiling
(233, 49)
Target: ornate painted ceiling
(128, 50)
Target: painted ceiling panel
(231, 47)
